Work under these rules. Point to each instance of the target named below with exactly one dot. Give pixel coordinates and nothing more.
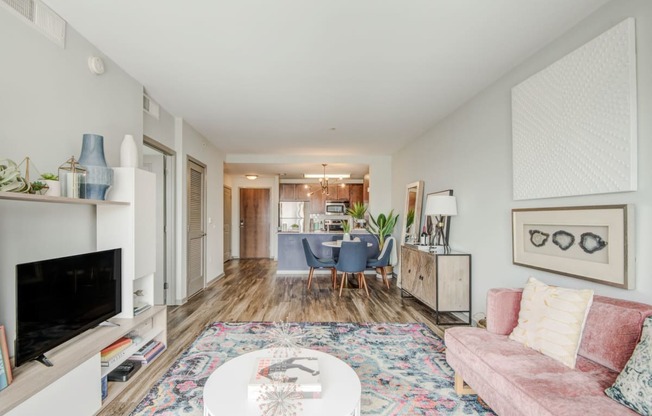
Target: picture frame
(430, 225)
(593, 243)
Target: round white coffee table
(225, 391)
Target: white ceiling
(295, 171)
(321, 77)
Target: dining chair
(353, 259)
(315, 262)
(335, 250)
(383, 260)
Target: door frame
(169, 209)
(230, 223)
(203, 220)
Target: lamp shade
(441, 205)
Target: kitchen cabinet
(441, 281)
(287, 192)
(291, 192)
(317, 200)
(356, 193)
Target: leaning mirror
(412, 212)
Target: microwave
(336, 207)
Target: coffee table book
(302, 371)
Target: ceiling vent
(41, 17)
(150, 106)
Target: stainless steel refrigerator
(293, 216)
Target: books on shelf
(115, 351)
(5, 363)
(140, 308)
(149, 352)
(302, 371)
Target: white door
(196, 229)
(155, 163)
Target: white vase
(346, 237)
(54, 188)
(129, 152)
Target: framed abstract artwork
(574, 123)
(589, 242)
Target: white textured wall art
(574, 123)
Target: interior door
(196, 229)
(254, 223)
(227, 223)
(155, 163)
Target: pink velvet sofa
(516, 380)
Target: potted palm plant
(357, 211)
(382, 227)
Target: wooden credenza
(441, 281)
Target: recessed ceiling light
(251, 177)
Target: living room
(50, 98)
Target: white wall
(196, 146)
(48, 99)
(470, 152)
(161, 129)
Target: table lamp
(440, 207)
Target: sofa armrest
(503, 306)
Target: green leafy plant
(10, 178)
(357, 211)
(37, 187)
(346, 226)
(382, 226)
(49, 177)
(409, 219)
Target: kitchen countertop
(323, 232)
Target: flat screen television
(58, 299)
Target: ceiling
(322, 77)
(295, 171)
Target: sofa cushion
(613, 327)
(516, 380)
(502, 310)
(633, 387)
(551, 320)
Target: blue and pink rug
(402, 367)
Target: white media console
(73, 385)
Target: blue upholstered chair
(383, 260)
(353, 259)
(315, 262)
(335, 250)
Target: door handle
(241, 223)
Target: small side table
(225, 392)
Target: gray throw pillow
(633, 387)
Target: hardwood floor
(251, 291)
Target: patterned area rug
(402, 367)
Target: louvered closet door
(196, 229)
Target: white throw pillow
(551, 320)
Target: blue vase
(99, 177)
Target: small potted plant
(38, 188)
(346, 227)
(358, 211)
(52, 182)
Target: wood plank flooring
(251, 291)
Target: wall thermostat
(96, 65)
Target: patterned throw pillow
(633, 387)
(551, 320)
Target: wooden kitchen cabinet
(286, 192)
(356, 193)
(289, 192)
(440, 281)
